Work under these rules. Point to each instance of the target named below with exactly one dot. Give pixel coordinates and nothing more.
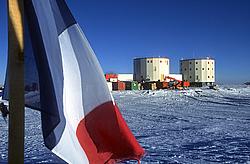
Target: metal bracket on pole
(16, 81)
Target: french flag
(81, 123)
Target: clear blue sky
(120, 30)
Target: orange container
(164, 85)
(118, 86)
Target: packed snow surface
(198, 125)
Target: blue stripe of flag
(47, 55)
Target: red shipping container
(186, 83)
(118, 86)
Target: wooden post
(16, 81)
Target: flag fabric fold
(81, 123)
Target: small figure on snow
(4, 111)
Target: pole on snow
(16, 81)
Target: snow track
(191, 126)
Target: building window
(190, 62)
(190, 69)
(196, 69)
(208, 77)
(167, 62)
(185, 69)
(197, 77)
(160, 61)
(212, 68)
(203, 68)
(190, 77)
(196, 62)
(212, 76)
(148, 61)
(151, 61)
(207, 68)
(181, 69)
(207, 62)
(212, 62)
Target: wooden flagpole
(16, 81)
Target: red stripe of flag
(105, 136)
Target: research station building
(151, 68)
(199, 72)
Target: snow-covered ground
(192, 126)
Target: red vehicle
(176, 84)
(109, 76)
